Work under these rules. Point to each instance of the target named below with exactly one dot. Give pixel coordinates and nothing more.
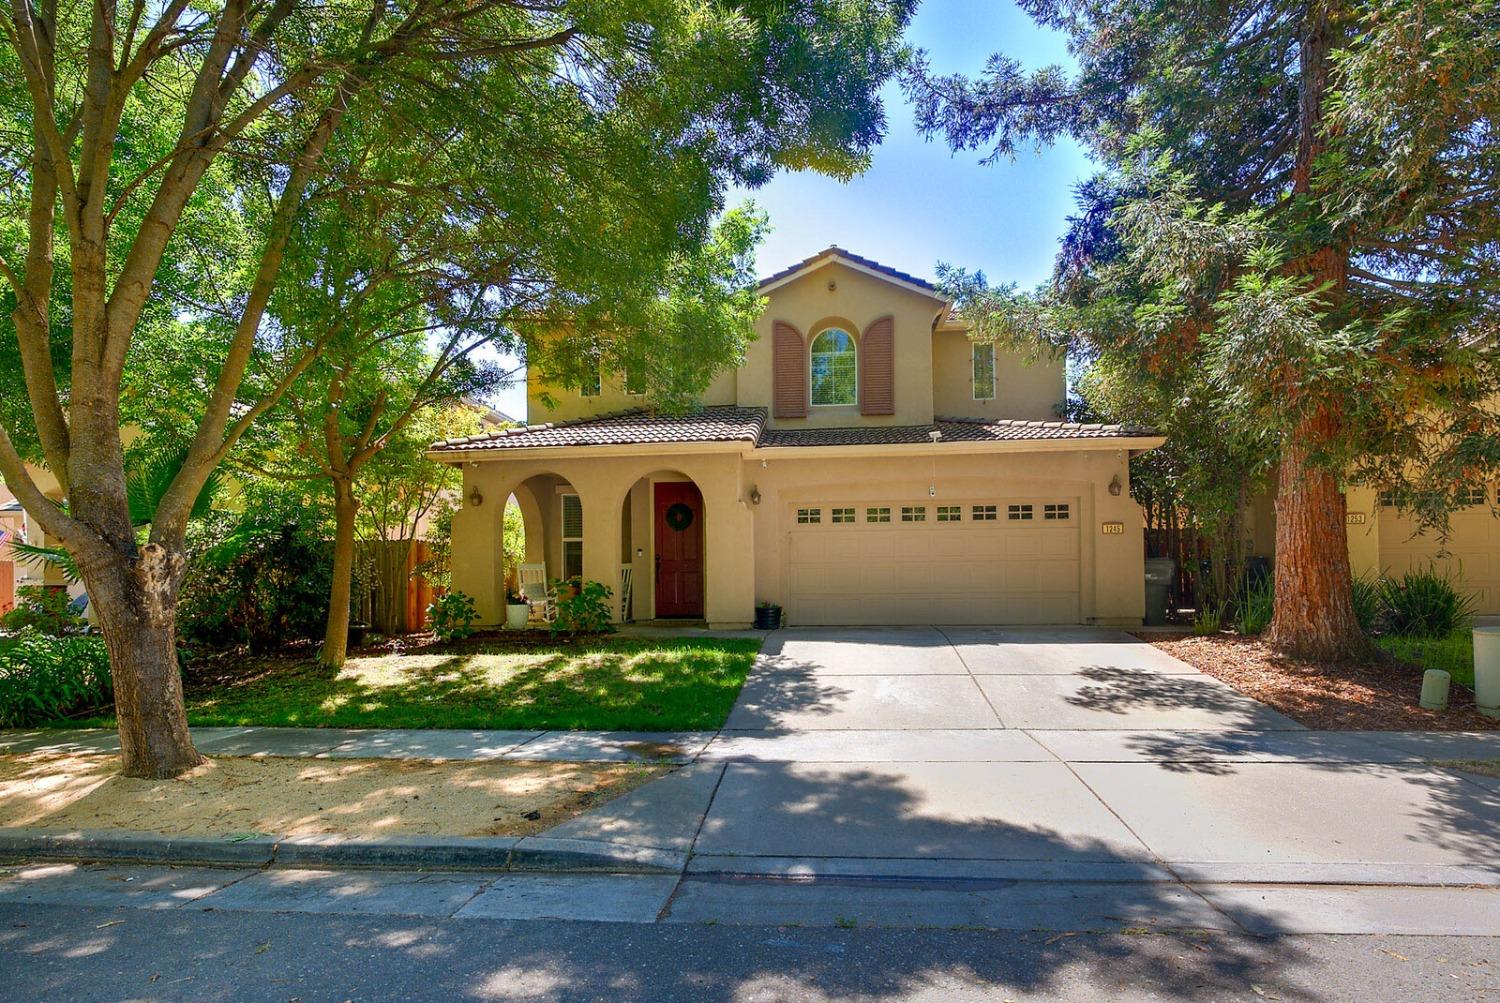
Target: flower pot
(516, 615)
(767, 617)
(1487, 670)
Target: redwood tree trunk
(1314, 615)
(336, 637)
(135, 600)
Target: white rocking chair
(532, 580)
(625, 594)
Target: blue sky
(919, 204)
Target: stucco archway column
(478, 564)
(729, 545)
(601, 494)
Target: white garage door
(1008, 560)
(1473, 551)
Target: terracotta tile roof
(835, 249)
(723, 423)
(951, 429)
(717, 423)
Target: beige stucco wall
(854, 302)
(746, 544)
(603, 483)
(569, 403)
(1023, 389)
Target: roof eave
(626, 448)
(829, 258)
(1136, 444)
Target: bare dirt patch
(284, 797)
(1373, 696)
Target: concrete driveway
(1064, 753)
(983, 678)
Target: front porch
(670, 534)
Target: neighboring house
(1384, 541)
(16, 525)
(868, 464)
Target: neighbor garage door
(1006, 560)
(1473, 551)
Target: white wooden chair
(625, 595)
(532, 580)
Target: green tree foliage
(1298, 212)
(165, 166)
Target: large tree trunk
(336, 637)
(135, 600)
(1314, 615)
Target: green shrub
(583, 607)
(1424, 604)
(44, 677)
(1256, 606)
(261, 581)
(44, 610)
(1366, 595)
(1208, 620)
(452, 616)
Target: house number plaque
(1354, 518)
(1113, 529)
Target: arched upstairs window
(834, 369)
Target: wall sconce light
(754, 495)
(1115, 487)
(475, 498)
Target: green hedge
(43, 678)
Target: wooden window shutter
(788, 372)
(877, 368)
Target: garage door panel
(990, 571)
(1473, 552)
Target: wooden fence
(395, 601)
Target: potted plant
(517, 609)
(767, 616)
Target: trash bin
(1160, 573)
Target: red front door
(679, 550)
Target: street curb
(480, 853)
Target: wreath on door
(678, 517)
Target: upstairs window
(834, 369)
(984, 372)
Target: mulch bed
(1376, 696)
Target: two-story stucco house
(868, 464)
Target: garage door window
(949, 513)
(843, 515)
(1473, 494)
(1019, 512)
(809, 516)
(1057, 512)
(913, 513)
(877, 515)
(983, 513)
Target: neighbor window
(877, 515)
(983, 513)
(1388, 499)
(834, 368)
(572, 536)
(843, 515)
(1019, 511)
(949, 513)
(913, 513)
(809, 516)
(590, 385)
(984, 372)
(635, 382)
(1473, 494)
(1058, 511)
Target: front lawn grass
(593, 684)
(1454, 653)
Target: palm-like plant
(148, 474)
